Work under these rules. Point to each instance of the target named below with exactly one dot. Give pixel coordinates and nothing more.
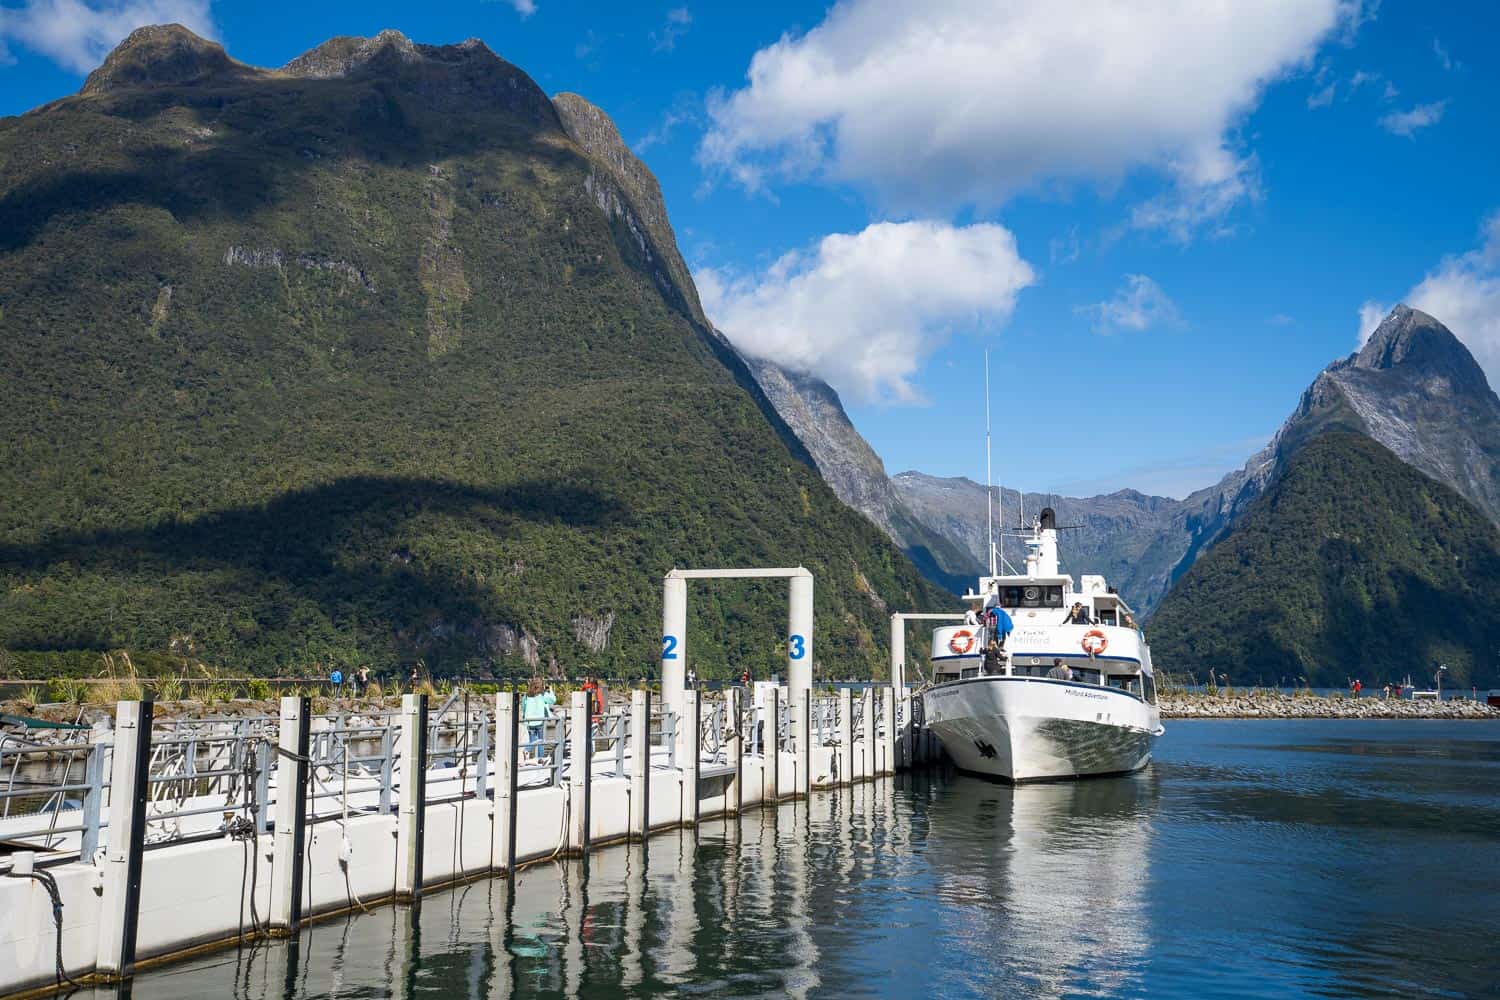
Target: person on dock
(362, 680)
(745, 677)
(692, 677)
(1060, 670)
(536, 708)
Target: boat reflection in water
(951, 887)
(1057, 894)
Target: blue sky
(1162, 219)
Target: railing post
(888, 695)
(387, 765)
(129, 790)
(291, 815)
(411, 819)
(482, 762)
(578, 773)
(692, 751)
(263, 756)
(802, 726)
(640, 764)
(507, 745)
(770, 746)
(846, 737)
(868, 699)
(734, 795)
(93, 799)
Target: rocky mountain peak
(1410, 338)
(161, 55)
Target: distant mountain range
(1413, 389)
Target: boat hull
(1034, 729)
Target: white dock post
(770, 746)
(898, 653)
(689, 755)
(800, 635)
(640, 764)
(673, 641)
(580, 766)
(869, 700)
(412, 816)
(845, 752)
(290, 845)
(129, 789)
(888, 696)
(734, 795)
(507, 748)
(802, 726)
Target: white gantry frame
(898, 641)
(799, 640)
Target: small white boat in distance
(1059, 699)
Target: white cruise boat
(1059, 700)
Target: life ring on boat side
(961, 642)
(1094, 642)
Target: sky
(1160, 219)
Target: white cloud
(679, 19)
(1139, 304)
(1462, 293)
(1407, 123)
(77, 35)
(863, 310)
(1322, 98)
(523, 7)
(1443, 58)
(951, 103)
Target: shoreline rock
(1258, 704)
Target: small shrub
(169, 688)
(258, 688)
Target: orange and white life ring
(1094, 642)
(961, 641)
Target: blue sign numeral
(669, 647)
(799, 647)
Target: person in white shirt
(971, 617)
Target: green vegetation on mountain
(352, 362)
(1351, 564)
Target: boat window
(1106, 616)
(1126, 682)
(969, 672)
(1036, 596)
(1085, 676)
(1150, 683)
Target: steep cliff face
(815, 414)
(377, 357)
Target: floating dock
(160, 838)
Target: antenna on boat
(989, 478)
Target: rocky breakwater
(1256, 704)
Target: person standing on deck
(1059, 671)
(1000, 625)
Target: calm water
(1264, 859)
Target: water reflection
(1230, 868)
(956, 885)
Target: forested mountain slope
(1351, 564)
(369, 359)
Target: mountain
(1352, 563)
(1118, 535)
(383, 356)
(813, 411)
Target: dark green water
(1254, 859)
